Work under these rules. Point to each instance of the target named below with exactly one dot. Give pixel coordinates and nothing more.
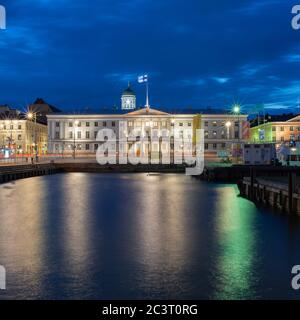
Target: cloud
(221, 80)
(84, 52)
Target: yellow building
(277, 132)
(22, 136)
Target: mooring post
(291, 189)
(252, 177)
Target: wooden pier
(280, 193)
(10, 173)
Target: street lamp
(76, 123)
(228, 126)
(236, 109)
(32, 116)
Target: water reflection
(162, 235)
(76, 222)
(122, 236)
(235, 263)
(21, 236)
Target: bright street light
(236, 108)
(228, 124)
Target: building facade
(22, 137)
(70, 134)
(276, 132)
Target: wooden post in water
(291, 188)
(252, 177)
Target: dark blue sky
(78, 53)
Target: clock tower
(128, 99)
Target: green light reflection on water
(235, 276)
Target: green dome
(128, 91)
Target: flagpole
(147, 94)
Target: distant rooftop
(117, 111)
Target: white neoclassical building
(71, 134)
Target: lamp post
(76, 122)
(32, 116)
(236, 111)
(228, 125)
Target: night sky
(198, 53)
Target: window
(214, 123)
(214, 146)
(70, 124)
(206, 134)
(57, 124)
(164, 124)
(87, 135)
(113, 124)
(19, 137)
(19, 127)
(206, 123)
(104, 124)
(79, 135)
(56, 135)
(180, 124)
(205, 146)
(282, 139)
(70, 135)
(189, 124)
(95, 134)
(223, 145)
(281, 128)
(214, 133)
(87, 147)
(236, 135)
(96, 146)
(87, 124)
(292, 137)
(273, 128)
(274, 139)
(79, 124)
(96, 124)
(291, 128)
(236, 123)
